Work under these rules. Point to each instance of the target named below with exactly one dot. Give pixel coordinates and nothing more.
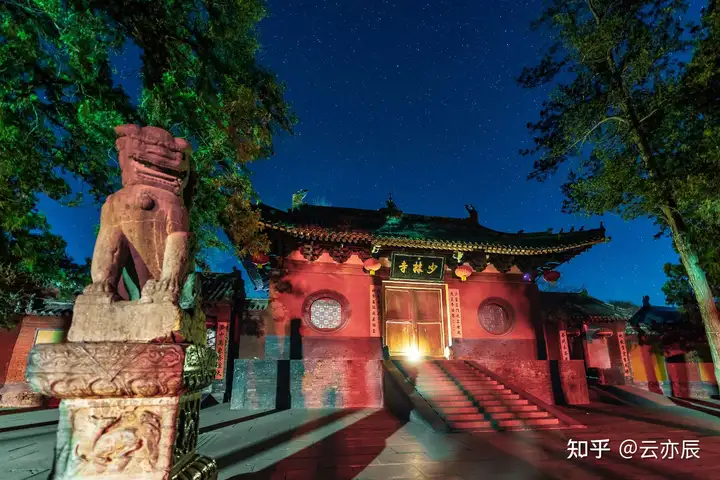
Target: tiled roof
(256, 303)
(582, 307)
(352, 225)
(50, 307)
(218, 286)
(658, 315)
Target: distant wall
(7, 344)
(686, 379)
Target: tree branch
(587, 134)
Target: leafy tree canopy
(638, 119)
(59, 102)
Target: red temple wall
(303, 279)
(519, 296)
(25, 341)
(7, 343)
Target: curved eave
(321, 234)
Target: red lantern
(260, 260)
(372, 265)
(551, 276)
(464, 271)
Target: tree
(59, 100)
(626, 108)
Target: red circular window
(495, 316)
(326, 311)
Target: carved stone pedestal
(129, 410)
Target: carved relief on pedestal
(455, 314)
(70, 370)
(118, 438)
(375, 330)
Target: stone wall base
(309, 383)
(699, 390)
(554, 381)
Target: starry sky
(419, 98)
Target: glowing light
(527, 277)
(413, 354)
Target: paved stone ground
(371, 444)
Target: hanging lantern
(372, 265)
(260, 260)
(464, 271)
(551, 276)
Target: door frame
(444, 307)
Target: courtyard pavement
(372, 444)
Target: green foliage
(635, 126)
(199, 80)
(617, 108)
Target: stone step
(509, 408)
(529, 422)
(483, 388)
(504, 403)
(466, 417)
(478, 425)
(496, 396)
(516, 415)
(445, 398)
(456, 410)
(442, 405)
(475, 381)
(426, 383)
(440, 391)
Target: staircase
(469, 400)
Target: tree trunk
(699, 283)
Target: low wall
(550, 381)
(689, 379)
(494, 349)
(573, 381)
(284, 348)
(308, 383)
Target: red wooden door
(414, 321)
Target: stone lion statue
(144, 226)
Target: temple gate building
(349, 289)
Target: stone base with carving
(134, 321)
(19, 395)
(129, 410)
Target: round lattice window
(326, 314)
(495, 318)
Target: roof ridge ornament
(391, 209)
(472, 213)
(298, 198)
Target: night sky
(418, 99)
